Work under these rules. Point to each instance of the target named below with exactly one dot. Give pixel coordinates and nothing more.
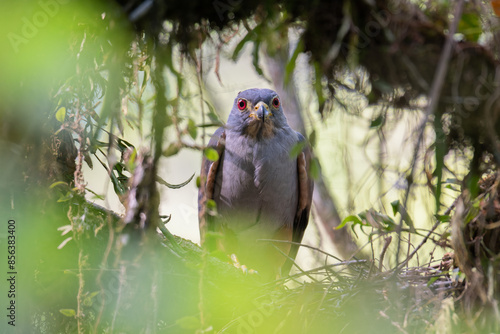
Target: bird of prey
(261, 188)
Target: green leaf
(211, 207)
(192, 129)
(88, 160)
(354, 219)
(211, 204)
(388, 222)
(432, 280)
(312, 138)
(131, 161)
(407, 219)
(473, 185)
(168, 58)
(290, 66)
(68, 312)
(123, 145)
(66, 197)
(172, 149)
(166, 219)
(395, 206)
(315, 168)
(58, 183)
(398, 208)
(377, 122)
(61, 114)
(209, 125)
(470, 26)
(248, 37)
(449, 186)
(255, 58)
(211, 154)
(96, 195)
(379, 220)
(214, 118)
(443, 218)
(362, 215)
(318, 87)
(88, 300)
(296, 149)
(118, 186)
(173, 186)
(170, 237)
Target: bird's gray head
(257, 113)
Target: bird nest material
(475, 240)
(355, 299)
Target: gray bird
(259, 189)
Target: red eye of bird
(242, 104)
(276, 102)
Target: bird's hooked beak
(260, 123)
(261, 112)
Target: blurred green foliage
(76, 77)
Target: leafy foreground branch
(133, 283)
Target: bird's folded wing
(208, 177)
(306, 185)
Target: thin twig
(170, 237)
(121, 284)
(437, 86)
(103, 266)
(302, 245)
(81, 285)
(295, 263)
(316, 270)
(387, 242)
(402, 264)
